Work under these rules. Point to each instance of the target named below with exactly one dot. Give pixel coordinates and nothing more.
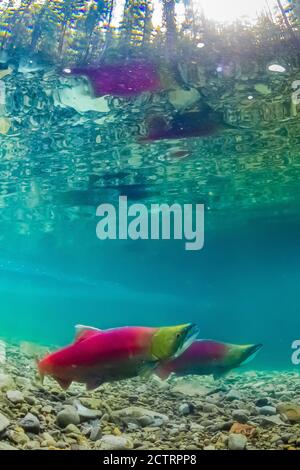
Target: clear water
(58, 163)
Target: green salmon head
(239, 355)
(171, 341)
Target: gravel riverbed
(244, 411)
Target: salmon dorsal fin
(83, 332)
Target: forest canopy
(89, 30)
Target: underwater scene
(149, 225)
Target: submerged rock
(140, 416)
(210, 447)
(185, 409)
(30, 423)
(15, 396)
(86, 414)
(234, 395)
(6, 446)
(267, 411)
(110, 442)
(72, 429)
(237, 442)
(68, 416)
(190, 389)
(245, 429)
(262, 402)
(95, 432)
(209, 408)
(6, 382)
(290, 410)
(272, 420)
(18, 436)
(4, 423)
(241, 416)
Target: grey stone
(209, 408)
(95, 431)
(237, 442)
(206, 423)
(132, 427)
(31, 400)
(227, 425)
(30, 423)
(262, 402)
(4, 423)
(145, 421)
(241, 416)
(110, 442)
(140, 416)
(6, 382)
(196, 427)
(184, 409)
(67, 416)
(233, 395)
(5, 446)
(267, 411)
(15, 396)
(72, 429)
(286, 437)
(86, 414)
(272, 420)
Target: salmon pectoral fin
(93, 384)
(64, 383)
(162, 372)
(147, 369)
(220, 374)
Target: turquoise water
(242, 287)
(58, 163)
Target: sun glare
(226, 11)
(231, 10)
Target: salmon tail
(163, 372)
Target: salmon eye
(178, 335)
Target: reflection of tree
(39, 25)
(170, 21)
(4, 20)
(287, 23)
(136, 25)
(81, 30)
(67, 10)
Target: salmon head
(238, 355)
(171, 341)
